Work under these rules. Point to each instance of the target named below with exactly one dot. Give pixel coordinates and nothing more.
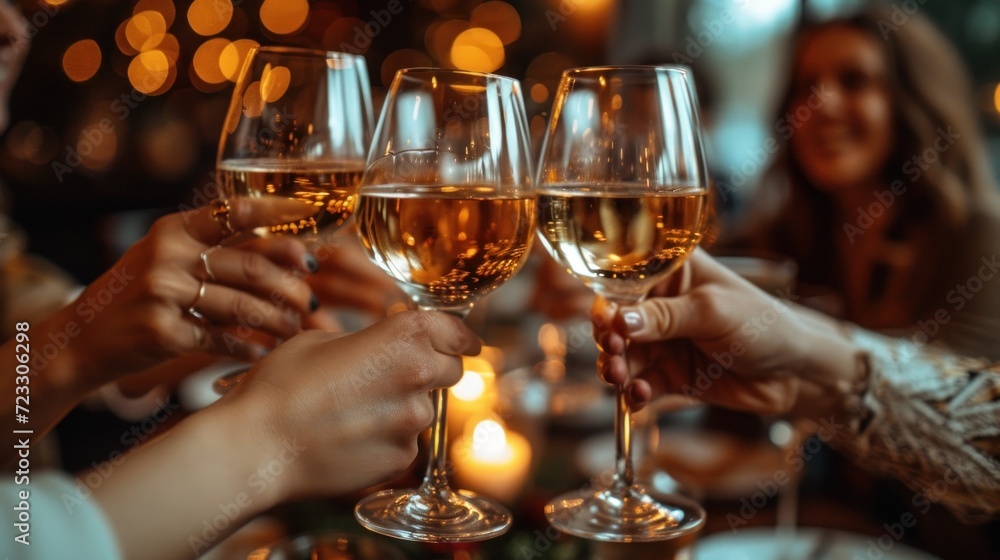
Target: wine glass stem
(624, 476)
(436, 478)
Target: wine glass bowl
(622, 201)
(298, 126)
(446, 209)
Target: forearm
(927, 418)
(182, 493)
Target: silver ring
(191, 309)
(204, 261)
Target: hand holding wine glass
(447, 210)
(622, 201)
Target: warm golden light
(489, 441)
(208, 17)
(207, 58)
(145, 30)
(284, 16)
(82, 60)
(56, 2)
(500, 18)
(470, 387)
(148, 71)
(122, 41)
(996, 98)
(164, 7)
(170, 47)
(440, 36)
(539, 93)
(232, 57)
(253, 105)
(274, 83)
(478, 50)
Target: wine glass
(447, 210)
(622, 201)
(298, 126)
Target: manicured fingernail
(313, 302)
(633, 320)
(311, 263)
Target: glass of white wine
(299, 125)
(622, 201)
(447, 210)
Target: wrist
(63, 366)
(254, 454)
(835, 372)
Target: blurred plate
(331, 546)
(827, 544)
(198, 389)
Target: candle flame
(489, 441)
(470, 387)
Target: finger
(207, 224)
(322, 320)
(283, 250)
(226, 306)
(638, 394)
(612, 369)
(447, 334)
(340, 291)
(256, 274)
(610, 342)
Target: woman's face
(841, 104)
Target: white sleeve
(62, 521)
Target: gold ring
(191, 309)
(221, 215)
(204, 261)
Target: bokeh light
(253, 105)
(164, 7)
(207, 60)
(284, 17)
(145, 30)
(148, 71)
(232, 57)
(274, 83)
(500, 18)
(170, 148)
(441, 35)
(996, 98)
(82, 60)
(539, 93)
(170, 47)
(122, 41)
(478, 50)
(208, 17)
(346, 34)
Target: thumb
(659, 319)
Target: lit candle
(492, 461)
(473, 397)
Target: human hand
(346, 277)
(721, 340)
(351, 405)
(139, 313)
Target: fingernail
(311, 263)
(313, 302)
(633, 320)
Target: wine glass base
(634, 517)
(452, 517)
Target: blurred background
(159, 74)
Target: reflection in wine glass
(447, 210)
(622, 201)
(298, 126)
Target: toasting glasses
(299, 125)
(622, 201)
(446, 209)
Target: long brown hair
(931, 92)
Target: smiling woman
(886, 196)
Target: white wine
(446, 246)
(620, 239)
(332, 187)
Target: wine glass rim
(454, 72)
(299, 51)
(584, 72)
